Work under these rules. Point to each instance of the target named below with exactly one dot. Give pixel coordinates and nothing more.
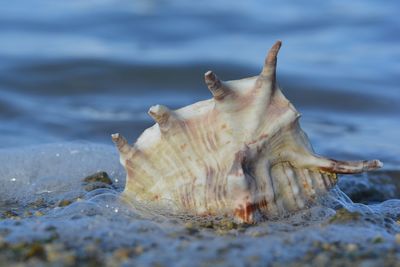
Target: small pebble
(138, 250)
(10, 214)
(122, 253)
(351, 247)
(344, 216)
(38, 213)
(36, 250)
(377, 240)
(326, 246)
(64, 202)
(101, 177)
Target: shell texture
(240, 154)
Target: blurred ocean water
(73, 72)
(83, 69)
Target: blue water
(77, 71)
(81, 70)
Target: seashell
(240, 154)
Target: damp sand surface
(72, 74)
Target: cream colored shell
(241, 153)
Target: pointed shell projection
(240, 154)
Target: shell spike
(269, 68)
(121, 143)
(160, 114)
(349, 167)
(343, 167)
(216, 86)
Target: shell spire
(269, 68)
(246, 157)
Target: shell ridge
(183, 166)
(297, 190)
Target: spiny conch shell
(240, 154)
